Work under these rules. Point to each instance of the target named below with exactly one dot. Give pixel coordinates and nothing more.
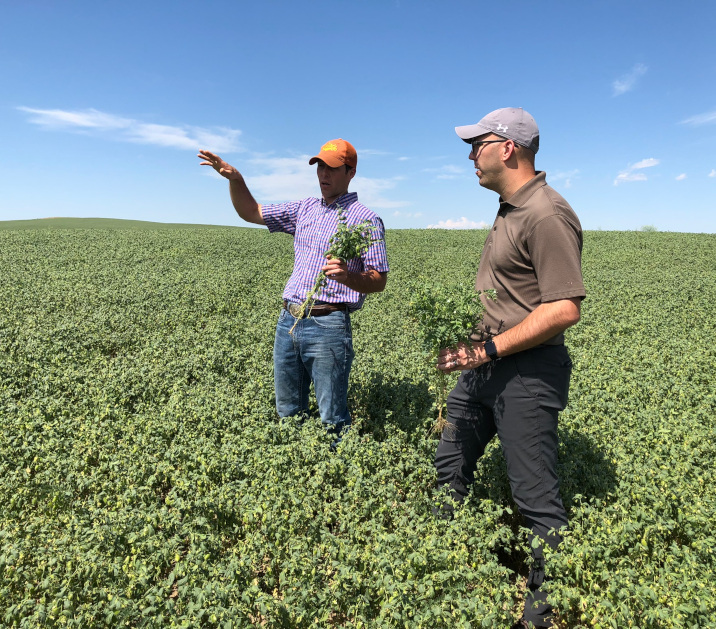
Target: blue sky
(103, 106)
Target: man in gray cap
(516, 371)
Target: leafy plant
(446, 315)
(349, 242)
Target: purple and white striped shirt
(311, 222)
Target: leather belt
(319, 310)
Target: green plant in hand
(349, 242)
(446, 316)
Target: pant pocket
(545, 373)
(335, 321)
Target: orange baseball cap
(337, 153)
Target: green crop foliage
(446, 315)
(349, 242)
(146, 481)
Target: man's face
(333, 181)
(485, 153)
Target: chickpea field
(146, 480)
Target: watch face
(490, 349)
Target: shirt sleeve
(555, 247)
(281, 217)
(376, 257)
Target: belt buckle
(295, 310)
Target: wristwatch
(490, 349)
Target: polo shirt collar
(524, 194)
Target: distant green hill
(95, 223)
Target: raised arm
(242, 199)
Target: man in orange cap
(320, 349)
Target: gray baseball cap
(512, 123)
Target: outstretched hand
(219, 165)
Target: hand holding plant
(349, 242)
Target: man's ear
(508, 150)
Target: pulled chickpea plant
(446, 316)
(347, 243)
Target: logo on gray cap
(511, 122)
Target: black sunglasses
(477, 144)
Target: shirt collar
(343, 200)
(524, 194)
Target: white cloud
(221, 140)
(712, 173)
(461, 223)
(370, 192)
(564, 176)
(681, 177)
(403, 159)
(398, 214)
(282, 179)
(645, 163)
(448, 171)
(700, 119)
(90, 118)
(630, 173)
(628, 176)
(627, 82)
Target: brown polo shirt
(532, 255)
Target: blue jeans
(319, 350)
